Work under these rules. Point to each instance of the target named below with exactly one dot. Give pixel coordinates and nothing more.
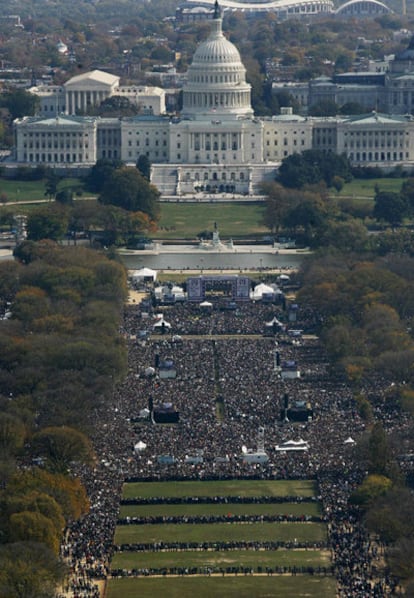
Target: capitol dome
(216, 49)
(216, 81)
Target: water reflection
(214, 261)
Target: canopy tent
(139, 447)
(160, 291)
(161, 323)
(177, 293)
(260, 290)
(143, 273)
(283, 278)
(276, 289)
(293, 445)
(254, 457)
(206, 304)
(349, 440)
(274, 322)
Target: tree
(47, 223)
(52, 181)
(339, 340)
(296, 171)
(128, 189)
(29, 570)
(12, 434)
(306, 214)
(161, 53)
(324, 108)
(400, 558)
(347, 236)
(352, 108)
(9, 279)
(407, 193)
(64, 197)
(280, 99)
(391, 515)
(30, 303)
(344, 62)
(312, 167)
(61, 447)
(117, 105)
(390, 207)
(144, 166)
(37, 502)
(378, 450)
(29, 526)
(100, 174)
(279, 201)
(68, 492)
(371, 488)
(20, 103)
(30, 251)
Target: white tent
(178, 292)
(162, 323)
(276, 289)
(260, 290)
(274, 322)
(139, 447)
(144, 273)
(206, 304)
(160, 291)
(349, 440)
(283, 278)
(149, 371)
(254, 457)
(293, 445)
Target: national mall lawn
(224, 587)
(216, 575)
(187, 220)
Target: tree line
(61, 354)
(360, 289)
(300, 203)
(363, 310)
(125, 208)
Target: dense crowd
(207, 519)
(184, 571)
(239, 374)
(216, 500)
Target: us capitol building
(217, 145)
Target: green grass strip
(227, 558)
(290, 508)
(248, 488)
(221, 532)
(224, 587)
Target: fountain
(215, 244)
(211, 254)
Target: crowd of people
(184, 571)
(228, 362)
(207, 519)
